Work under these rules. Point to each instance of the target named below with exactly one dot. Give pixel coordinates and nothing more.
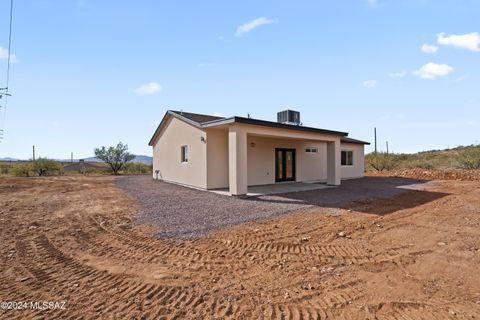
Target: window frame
(346, 158)
(311, 150)
(184, 153)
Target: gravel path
(181, 212)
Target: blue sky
(90, 73)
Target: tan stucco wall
(358, 168)
(217, 158)
(208, 166)
(167, 154)
(261, 159)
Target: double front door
(284, 165)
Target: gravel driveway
(181, 212)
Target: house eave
(250, 121)
(354, 141)
(271, 124)
(176, 115)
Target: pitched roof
(204, 121)
(196, 117)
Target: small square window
(184, 153)
(311, 150)
(347, 158)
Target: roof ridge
(194, 113)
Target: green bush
(5, 168)
(137, 168)
(24, 169)
(116, 157)
(45, 167)
(470, 158)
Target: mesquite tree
(116, 156)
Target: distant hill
(137, 159)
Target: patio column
(333, 163)
(237, 160)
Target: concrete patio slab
(278, 188)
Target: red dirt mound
(424, 174)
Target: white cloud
(147, 89)
(216, 114)
(433, 70)
(250, 25)
(370, 83)
(469, 41)
(428, 48)
(4, 55)
(399, 74)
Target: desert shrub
(137, 168)
(381, 161)
(45, 167)
(469, 158)
(5, 168)
(24, 169)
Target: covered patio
(259, 156)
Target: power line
(9, 44)
(6, 89)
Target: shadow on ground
(369, 195)
(180, 212)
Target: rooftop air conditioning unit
(289, 117)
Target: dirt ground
(73, 239)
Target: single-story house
(212, 152)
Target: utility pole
(33, 150)
(71, 157)
(375, 133)
(387, 147)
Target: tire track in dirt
(56, 265)
(420, 311)
(292, 267)
(57, 270)
(340, 254)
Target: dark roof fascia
(189, 121)
(185, 115)
(218, 122)
(251, 121)
(150, 143)
(287, 126)
(350, 140)
(270, 124)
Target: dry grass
(450, 159)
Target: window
(311, 150)
(184, 152)
(347, 158)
